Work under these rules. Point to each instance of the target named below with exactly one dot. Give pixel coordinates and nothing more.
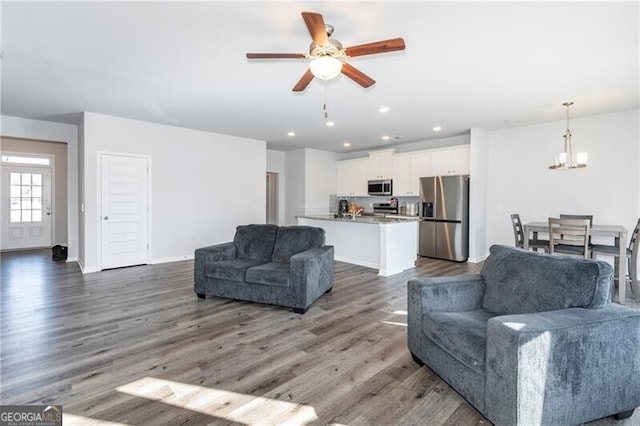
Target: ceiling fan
(328, 55)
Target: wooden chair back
(518, 232)
(579, 216)
(569, 236)
(634, 243)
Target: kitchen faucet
(356, 213)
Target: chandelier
(565, 159)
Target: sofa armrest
(449, 294)
(311, 273)
(562, 367)
(206, 255)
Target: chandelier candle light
(565, 160)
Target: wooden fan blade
(275, 56)
(376, 47)
(315, 23)
(303, 82)
(356, 75)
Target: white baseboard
(357, 262)
(72, 259)
(477, 259)
(390, 272)
(85, 270)
(172, 259)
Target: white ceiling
(490, 65)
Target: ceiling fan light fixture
(325, 67)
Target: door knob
(48, 213)
(106, 218)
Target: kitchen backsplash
(368, 202)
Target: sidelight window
(25, 197)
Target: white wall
(311, 177)
(276, 163)
(202, 184)
(55, 132)
(320, 180)
(81, 190)
(479, 169)
(295, 169)
(519, 180)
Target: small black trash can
(59, 253)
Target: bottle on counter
(403, 209)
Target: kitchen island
(383, 243)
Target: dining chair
(569, 236)
(580, 216)
(518, 234)
(632, 260)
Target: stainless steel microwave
(380, 187)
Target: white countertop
(377, 220)
(388, 244)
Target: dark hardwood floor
(136, 346)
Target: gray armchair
(533, 339)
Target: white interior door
(124, 211)
(26, 207)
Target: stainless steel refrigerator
(444, 217)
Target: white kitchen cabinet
(421, 165)
(352, 177)
(407, 171)
(380, 164)
(403, 184)
(454, 161)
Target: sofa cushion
(255, 241)
(232, 270)
(519, 282)
(463, 335)
(296, 239)
(273, 273)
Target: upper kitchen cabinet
(380, 164)
(421, 165)
(407, 171)
(352, 177)
(450, 161)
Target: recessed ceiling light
(437, 128)
(346, 144)
(330, 123)
(383, 109)
(386, 137)
(291, 133)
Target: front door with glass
(26, 207)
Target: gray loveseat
(532, 340)
(286, 266)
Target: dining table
(617, 232)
